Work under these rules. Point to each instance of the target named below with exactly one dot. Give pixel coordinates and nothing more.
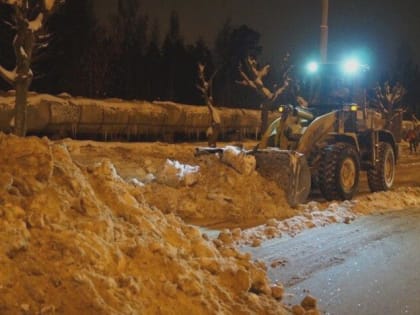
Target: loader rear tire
(381, 177)
(339, 172)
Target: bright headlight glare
(351, 66)
(312, 67)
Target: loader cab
(330, 86)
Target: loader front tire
(381, 177)
(339, 171)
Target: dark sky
(372, 29)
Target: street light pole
(324, 31)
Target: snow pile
(400, 198)
(311, 215)
(212, 193)
(221, 194)
(315, 214)
(222, 197)
(79, 240)
(176, 174)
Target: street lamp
(324, 31)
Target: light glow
(312, 67)
(354, 108)
(351, 66)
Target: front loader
(326, 146)
(335, 147)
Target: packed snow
(112, 228)
(79, 239)
(227, 193)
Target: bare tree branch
(389, 98)
(8, 76)
(256, 81)
(253, 77)
(280, 90)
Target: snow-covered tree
(28, 19)
(253, 76)
(388, 98)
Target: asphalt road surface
(369, 267)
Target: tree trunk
(23, 46)
(214, 129)
(264, 117)
(21, 107)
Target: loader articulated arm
(316, 132)
(285, 131)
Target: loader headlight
(351, 107)
(312, 67)
(354, 108)
(351, 66)
(281, 109)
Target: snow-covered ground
(209, 192)
(102, 228)
(78, 239)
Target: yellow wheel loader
(327, 145)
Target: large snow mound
(80, 240)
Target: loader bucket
(289, 169)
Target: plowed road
(371, 266)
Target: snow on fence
(64, 115)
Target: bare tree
(205, 87)
(28, 20)
(388, 99)
(253, 75)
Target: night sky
(371, 29)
